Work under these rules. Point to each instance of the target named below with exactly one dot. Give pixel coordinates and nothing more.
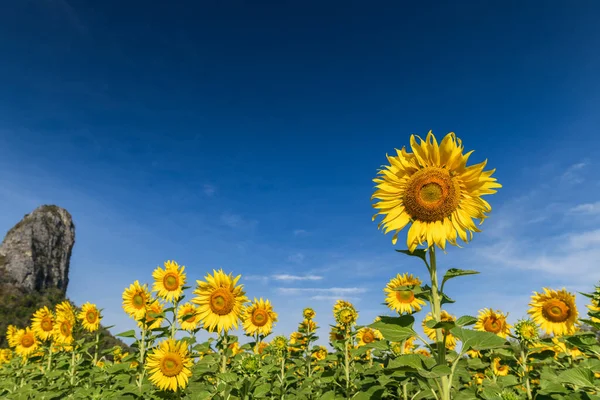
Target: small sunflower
(153, 306)
(320, 353)
(297, 342)
(308, 313)
(435, 190)
(258, 318)
(260, 347)
(279, 343)
(11, 335)
(526, 331)
(367, 336)
(5, 356)
(336, 334)
(63, 331)
(345, 314)
(308, 326)
(169, 365)
(42, 323)
(220, 301)
(89, 317)
(474, 353)
(187, 314)
(403, 301)
(235, 348)
(169, 282)
(555, 311)
(499, 369)
(493, 321)
(135, 298)
(423, 352)
(445, 317)
(27, 343)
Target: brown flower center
(171, 364)
(431, 195)
(556, 310)
(368, 337)
(189, 317)
(46, 324)
(139, 300)
(259, 317)
(171, 281)
(65, 328)
(492, 324)
(27, 340)
(91, 316)
(405, 296)
(221, 301)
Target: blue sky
(245, 136)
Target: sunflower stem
(404, 387)
(223, 354)
(347, 366)
(96, 347)
(73, 366)
(49, 358)
(525, 372)
(142, 354)
(436, 310)
(282, 377)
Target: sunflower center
(259, 317)
(65, 329)
(221, 301)
(368, 337)
(171, 282)
(492, 325)
(46, 324)
(171, 365)
(190, 318)
(556, 310)
(431, 195)
(346, 316)
(91, 316)
(27, 341)
(139, 301)
(405, 296)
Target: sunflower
(308, 313)
(153, 306)
(320, 353)
(474, 353)
(63, 331)
(367, 336)
(308, 326)
(235, 348)
(492, 321)
(260, 347)
(89, 317)
(435, 190)
(403, 301)
(341, 304)
(297, 342)
(42, 323)
(5, 356)
(258, 318)
(187, 314)
(27, 343)
(445, 317)
(220, 300)
(499, 369)
(554, 311)
(169, 365)
(135, 298)
(169, 282)
(561, 347)
(345, 314)
(336, 333)
(423, 352)
(11, 338)
(65, 310)
(279, 343)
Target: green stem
(525, 372)
(142, 355)
(282, 378)
(347, 366)
(404, 386)
(96, 347)
(436, 310)
(73, 366)
(49, 358)
(174, 323)
(223, 355)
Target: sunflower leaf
(129, 334)
(466, 320)
(395, 329)
(581, 377)
(454, 272)
(446, 299)
(421, 253)
(477, 340)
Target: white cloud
(571, 175)
(300, 232)
(327, 291)
(588, 208)
(333, 298)
(286, 277)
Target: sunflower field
(553, 354)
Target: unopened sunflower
(42, 323)
(279, 344)
(367, 336)
(220, 301)
(404, 300)
(345, 314)
(27, 343)
(433, 189)
(259, 317)
(492, 321)
(187, 314)
(169, 282)
(170, 365)
(89, 317)
(135, 298)
(445, 317)
(555, 311)
(526, 331)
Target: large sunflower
(445, 317)
(258, 317)
(135, 298)
(169, 282)
(367, 336)
(63, 331)
(403, 301)
(42, 323)
(492, 321)
(220, 301)
(187, 314)
(435, 190)
(554, 310)
(89, 317)
(26, 342)
(170, 365)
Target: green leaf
(406, 360)
(477, 340)
(435, 372)
(421, 253)
(446, 299)
(581, 377)
(466, 320)
(328, 395)
(454, 272)
(228, 377)
(128, 334)
(395, 329)
(261, 390)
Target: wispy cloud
(237, 221)
(209, 190)
(572, 175)
(588, 208)
(333, 298)
(301, 232)
(286, 277)
(296, 258)
(333, 291)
